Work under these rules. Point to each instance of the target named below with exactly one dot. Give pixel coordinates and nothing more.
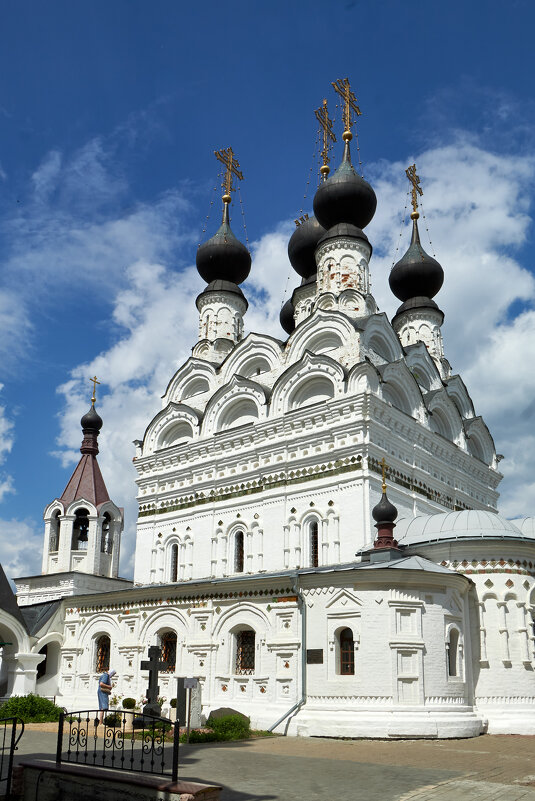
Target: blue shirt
(103, 698)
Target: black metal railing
(124, 741)
(9, 739)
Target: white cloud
(272, 281)
(72, 233)
(476, 205)
(6, 444)
(21, 546)
(158, 322)
(15, 329)
(46, 176)
(477, 209)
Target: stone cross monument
(153, 665)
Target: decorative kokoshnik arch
(194, 377)
(239, 402)
(255, 352)
(174, 425)
(311, 380)
(323, 331)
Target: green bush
(113, 719)
(30, 708)
(199, 737)
(230, 727)
(172, 703)
(129, 703)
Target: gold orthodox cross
(232, 169)
(383, 468)
(416, 188)
(342, 87)
(95, 382)
(326, 130)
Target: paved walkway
(488, 768)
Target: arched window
(173, 575)
(314, 548)
(80, 530)
(452, 649)
(238, 552)
(168, 646)
(347, 653)
(54, 532)
(102, 654)
(106, 543)
(245, 652)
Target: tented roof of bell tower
(86, 482)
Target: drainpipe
(303, 699)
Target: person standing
(103, 693)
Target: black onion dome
(384, 512)
(92, 419)
(345, 197)
(302, 246)
(416, 274)
(344, 229)
(287, 317)
(223, 257)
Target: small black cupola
(302, 245)
(345, 197)
(384, 513)
(286, 317)
(416, 274)
(223, 257)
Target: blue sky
(109, 115)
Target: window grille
(238, 552)
(245, 652)
(314, 555)
(174, 563)
(347, 653)
(168, 645)
(102, 662)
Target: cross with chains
(232, 169)
(416, 188)
(326, 130)
(343, 88)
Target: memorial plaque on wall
(315, 656)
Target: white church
(318, 538)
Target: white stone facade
(256, 483)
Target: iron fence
(8, 745)
(124, 741)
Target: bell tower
(82, 530)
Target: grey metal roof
(403, 563)
(466, 524)
(8, 601)
(36, 615)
